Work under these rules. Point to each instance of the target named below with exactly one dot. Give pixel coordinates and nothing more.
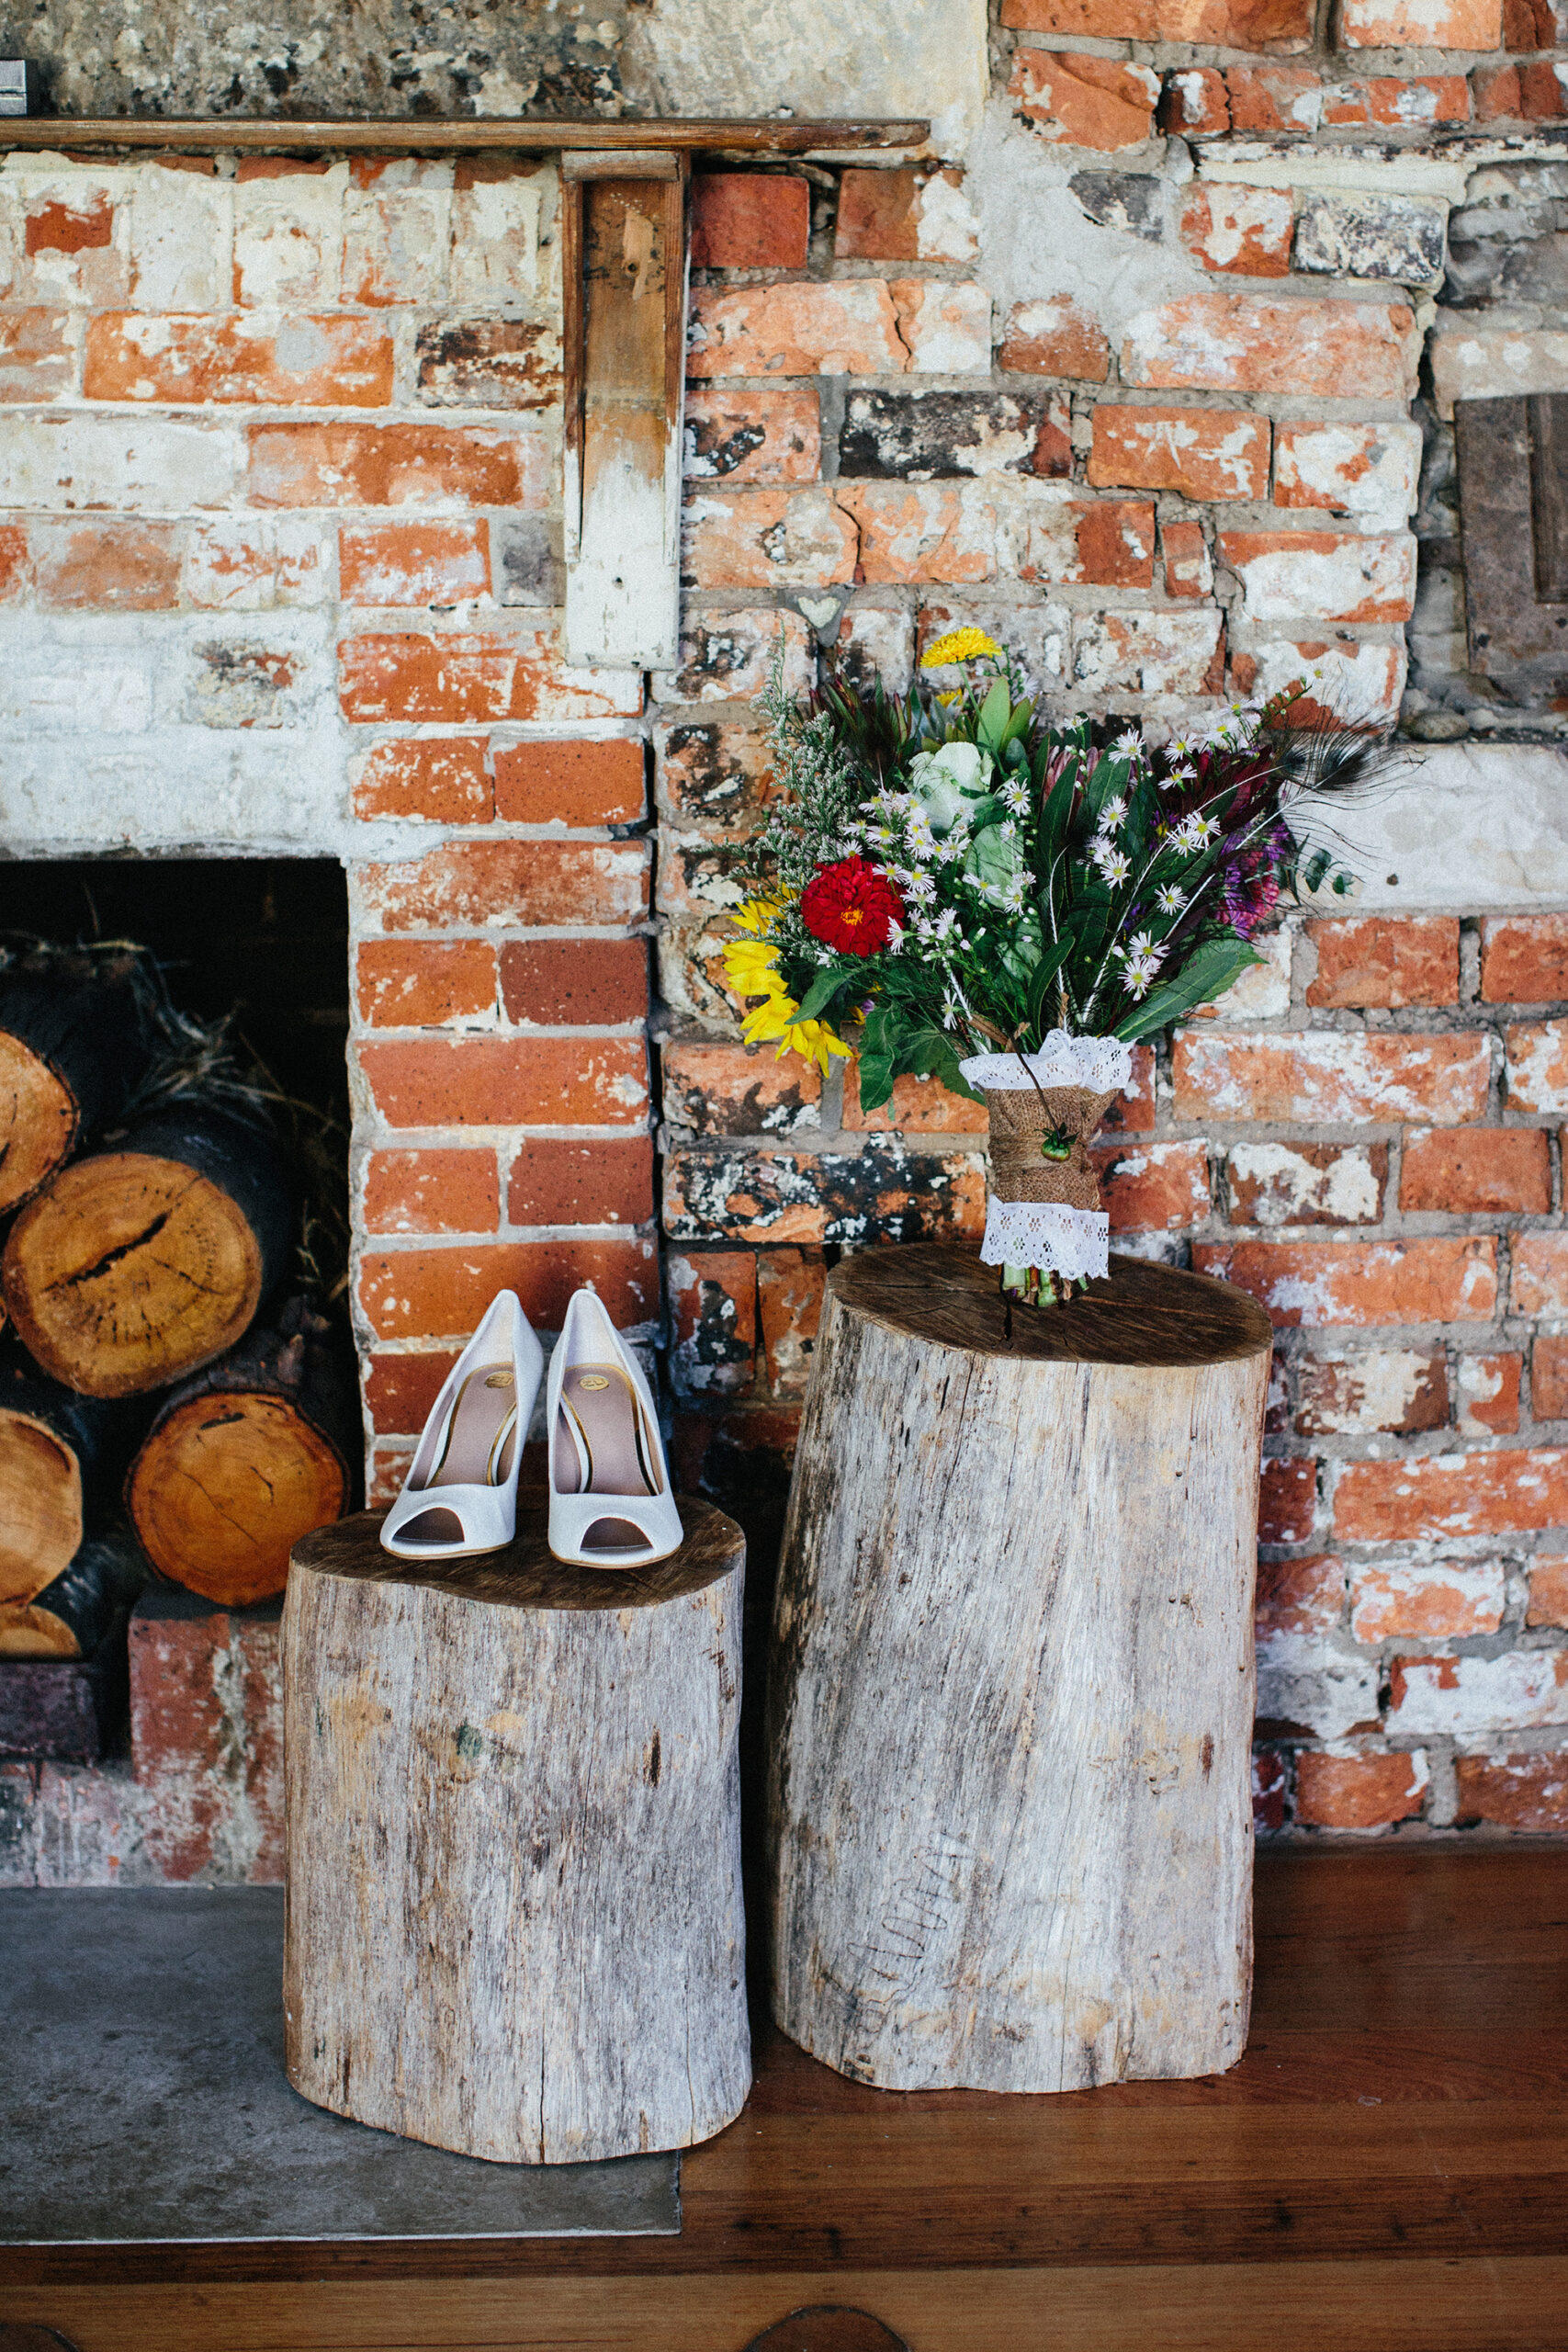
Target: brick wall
(1143, 385)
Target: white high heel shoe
(460, 1495)
(610, 1501)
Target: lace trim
(1103, 1064)
(1073, 1242)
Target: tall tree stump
(1011, 1696)
(515, 1922)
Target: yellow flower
(952, 695)
(959, 645)
(751, 967)
(776, 1018)
(757, 914)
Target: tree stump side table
(515, 1923)
(1011, 1695)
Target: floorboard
(1385, 2171)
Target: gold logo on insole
(593, 1380)
(498, 1380)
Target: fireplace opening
(177, 1392)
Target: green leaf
(830, 982)
(995, 712)
(1207, 973)
(1042, 977)
(930, 1053)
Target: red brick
(1335, 575)
(1549, 1379)
(1287, 1499)
(1382, 960)
(559, 984)
(713, 1311)
(1188, 571)
(1536, 1066)
(1196, 104)
(1107, 543)
(1358, 1792)
(556, 1182)
(715, 776)
(1396, 1390)
(1524, 959)
(440, 780)
(1055, 337)
(1341, 1077)
(401, 1389)
(885, 216)
(440, 1294)
(1541, 1274)
(849, 328)
(510, 885)
(752, 1193)
(413, 563)
(749, 221)
(1488, 1394)
(36, 359)
(722, 1089)
(1242, 343)
(473, 680)
(1271, 1786)
(1451, 1279)
(1154, 1187)
(1476, 1170)
(1273, 100)
(205, 1730)
(761, 537)
(1442, 1496)
(432, 1191)
(509, 1081)
(15, 564)
(1528, 24)
(741, 1459)
(1426, 1599)
(54, 225)
(1220, 24)
(277, 168)
(1498, 97)
(1300, 1596)
(1204, 453)
(1548, 1590)
(1086, 101)
(1417, 23)
(763, 434)
(1411, 105)
(1242, 231)
(489, 362)
(404, 984)
(917, 1106)
(1133, 1113)
(570, 784)
(1307, 1183)
(447, 467)
(1526, 1791)
(915, 532)
(318, 363)
(789, 1285)
(1543, 94)
(106, 567)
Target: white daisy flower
(1007, 829)
(1115, 810)
(1015, 797)
(1140, 971)
(1131, 741)
(1169, 899)
(945, 924)
(921, 888)
(1011, 900)
(1115, 868)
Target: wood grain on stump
(241, 1462)
(1011, 1696)
(137, 1265)
(515, 1921)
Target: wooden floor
(1385, 2171)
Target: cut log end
(28, 1631)
(226, 1486)
(40, 1122)
(130, 1271)
(40, 1506)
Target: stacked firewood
(169, 1391)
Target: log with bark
(246, 1458)
(515, 1922)
(73, 1040)
(1012, 1697)
(62, 1457)
(140, 1263)
(70, 1617)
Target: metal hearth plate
(143, 2100)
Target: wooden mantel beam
(535, 134)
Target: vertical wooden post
(624, 255)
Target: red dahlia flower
(852, 906)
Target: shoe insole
(602, 1402)
(479, 1446)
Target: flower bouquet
(951, 887)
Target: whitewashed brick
(1147, 652)
(1481, 363)
(181, 241)
(146, 465)
(1263, 991)
(1468, 1697)
(1343, 579)
(1369, 470)
(1464, 826)
(1360, 680)
(495, 240)
(947, 328)
(1307, 1681)
(289, 239)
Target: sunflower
(751, 967)
(959, 645)
(776, 1018)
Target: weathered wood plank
(532, 134)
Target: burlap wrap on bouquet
(1042, 1211)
